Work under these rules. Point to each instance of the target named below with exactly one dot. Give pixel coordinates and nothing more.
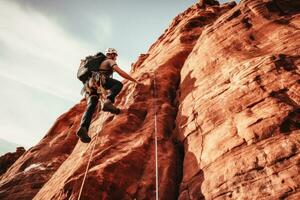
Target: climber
(106, 69)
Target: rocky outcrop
(239, 111)
(32, 170)
(220, 94)
(10, 158)
(123, 162)
(204, 3)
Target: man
(106, 68)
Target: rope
(155, 131)
(156, 154)
(100, 92)
(88, 165)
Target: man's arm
(123, 74)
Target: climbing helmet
(111, 51)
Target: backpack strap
(103, 70)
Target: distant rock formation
(9, 159)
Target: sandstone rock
(231, 4)
(239, 107)
(31, 171)
(208, 2)
(222, 83)
(123, 164)
(284, 7)
(139, 62)
(8, 159)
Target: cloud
(38, 65)
(40, 53)
(30, 33)
(27, 113)
(33, 35)
(37, 88)
(86, 21)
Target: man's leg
(87, 118)
(115, 87)
(90, 109)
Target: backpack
(88, 65)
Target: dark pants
(114, 86)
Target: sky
(42, 42)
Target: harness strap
(95, 85)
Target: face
(112, 56)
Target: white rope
(155, 131)
(88, 165)
(156, 148)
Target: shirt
(107, 66)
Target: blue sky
(42, 42)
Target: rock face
(220, 94)
(9, 158)
(239, 112)
(32, 170)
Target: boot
(109, 107)
(82, 134)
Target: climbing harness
(96, 81)
(95, 85)
(155, 136)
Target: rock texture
(239, 112)
(222, 83)
(32, 170)
(9, 158)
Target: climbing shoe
(109, 107)
(82, 134)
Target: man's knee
(120, 86)
(93, 100)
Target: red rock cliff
(223, 83)
(8, 159)
(239, 114)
